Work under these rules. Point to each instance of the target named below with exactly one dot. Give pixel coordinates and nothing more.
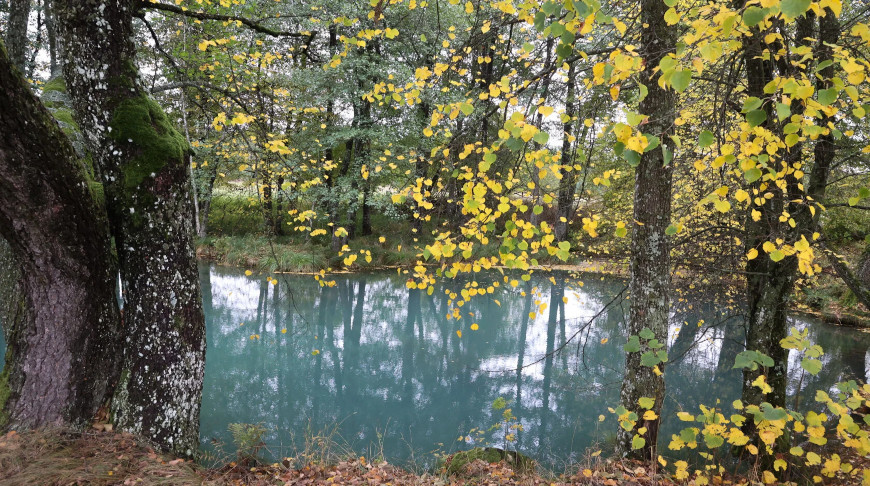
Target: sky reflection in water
(382, 366)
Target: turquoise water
(380, 365)
(380, 370)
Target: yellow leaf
(459, 333)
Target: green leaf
(667, 156)
(823, 65)
(550, 8)
(751, 103)
(777, 255)
(644, 91)
(795, 8)
(538, 209)
(748, 359)
(688, 434)
(632, 157)
(652, 142)
(752, 175)
(670, 3)
(466, 108)
(713, 441)
(680, 79)
(864, 192)
(541, 137)
(646, 333)
(634, 118)
(705, 139)
(753, 15)
(662, 356)
(671, 230)
(637, 442)
(649, 359)
(854, 201)
(771, 413)
(828, 96)
(489, 158)
(756, 117)
(783, 111)
(646, 402)
(633, 345)
(812, 365)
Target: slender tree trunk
(650, 246)
(16, 34)
(51, 35)
(144, 163)
(62, 343)
(767, 282)
(824, 152)
(565, 209)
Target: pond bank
(827, 299)
(106, 458)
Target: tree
(144, 165)
(62, 352)
(650, 249)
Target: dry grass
(57, 457)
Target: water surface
(381, 365)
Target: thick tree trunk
(650, 246)
(144, 163)
(62, 351)
(16, 34)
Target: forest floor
(60, 457)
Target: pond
(379, 367)
(379, 370)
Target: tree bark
(16, 34)
(650, 246)
(62, 351)
(565, 209)
(144, 164)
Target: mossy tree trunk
(144, 164)
(62, 344)
(650, 247)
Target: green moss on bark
(5, 393)
(141, 124)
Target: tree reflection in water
(384, 364)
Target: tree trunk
(144, 162)
(768, 283)
(16, 34)
(650, 246)
(565, 207)
(62, 343)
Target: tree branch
(256, 26)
